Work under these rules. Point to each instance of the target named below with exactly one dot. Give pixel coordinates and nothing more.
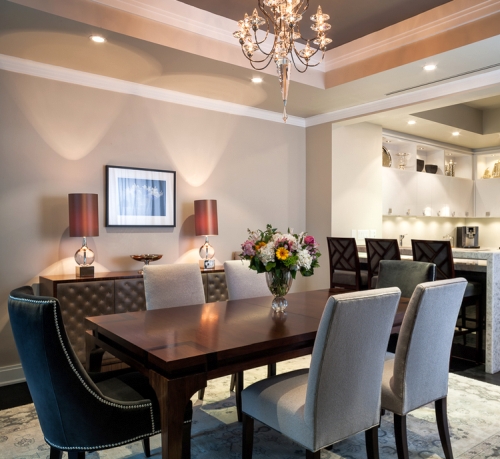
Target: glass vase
(279, 282)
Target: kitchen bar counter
(477, 260)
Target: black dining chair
(78, 411)
(440, 253)
(345, 271)
(376, 250)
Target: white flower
(305, 259)
(266, 254)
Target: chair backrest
(345, 376)
(73, 412)
(423, 351)
(437, 252)
(380, 249)
(243, 282)
(169, 286)
(343, 253)
(405, 275)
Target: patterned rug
(473, 409)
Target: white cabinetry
(399, 192)
(488, 198)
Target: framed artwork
(139, 197)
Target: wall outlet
(373, 233)
(362, 234)
(353, 234)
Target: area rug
(473, 409)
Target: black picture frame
(140, 197)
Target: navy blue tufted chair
(77, 412)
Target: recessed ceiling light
(97, 39)
(456, 133)
(257, 80)
(430, 67)
(412, 122)
(421, 148)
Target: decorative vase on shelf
(279, 283)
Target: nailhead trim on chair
(97, 396)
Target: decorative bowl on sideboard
(146, 258)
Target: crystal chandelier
(282, 19)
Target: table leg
(173, 396)
(93, 354)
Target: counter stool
(440, 253)
(344, 264)
(377, 250)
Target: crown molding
(192, 19)
(416, 97)
(433, 22)
(65, 75)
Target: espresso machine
(468, 237)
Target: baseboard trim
(12, 374)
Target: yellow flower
(259, 245)
(282, 253)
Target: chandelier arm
(266, 14)
(262, 41)
(261, 68)
(256, 61)
(295, 64)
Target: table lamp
(83, 222)
(205, 222)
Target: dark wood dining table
(181, 348)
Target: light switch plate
(362, 234)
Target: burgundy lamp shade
(205, 217)
(83, 215)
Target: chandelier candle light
(280, 256)
(282, 19)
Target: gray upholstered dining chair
(243, 282)
(418, 373)
(339, 395)
(404, 274)
(169, 286)
(77, 411)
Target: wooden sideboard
(110, 293)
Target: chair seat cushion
(349, 277)
(473, 289)
(279, 403)
(390, 400)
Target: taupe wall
(56, 138)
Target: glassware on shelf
(496, 170)
(449, 168)
(403, 157)
(487, 173)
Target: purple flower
(248, 249)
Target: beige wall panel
(56, 138)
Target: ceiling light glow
(412, 122)
(430, 67)
(257, 80)
(97, 39)
(456, 133)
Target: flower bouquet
(280, 256)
